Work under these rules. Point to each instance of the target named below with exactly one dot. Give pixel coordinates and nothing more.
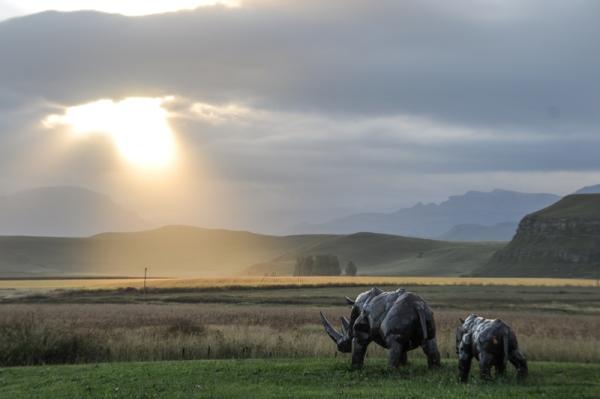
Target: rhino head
(343, 338)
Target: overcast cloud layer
(305, 111)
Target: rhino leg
(397, 353)
(431, 351)
(464, 366)
(500, 368)
(485, 364)
(518, 360)
(359, 350)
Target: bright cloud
(137, 125)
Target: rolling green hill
(189, 251)
(562, 240)
(383, 254)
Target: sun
(138, 127)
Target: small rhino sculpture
(492, 342)
(397, 320)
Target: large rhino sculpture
(397, 320)
(492, 342)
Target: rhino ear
(349, 301)
(462, 321)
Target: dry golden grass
(104, 332)
(290, 281)
(367, 280)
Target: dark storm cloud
(469, 62)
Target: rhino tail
(423, 321)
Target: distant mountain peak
(499, 208)
(595, 189)
(64, 211)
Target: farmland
(270, 326)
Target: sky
(263, 114)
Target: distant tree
(317, 265)
(304, 266)
(351, 269)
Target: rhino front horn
(332, 332)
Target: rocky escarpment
(562, 240)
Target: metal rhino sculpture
(492, 342)
(397, 320)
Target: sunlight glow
(137, 126)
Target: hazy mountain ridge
(477, 232)
(595, 189)
(64, 211)
(438, 220)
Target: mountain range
(64, 211)
(67, 211)
(192, 251)
(595, 189)
(473, 216)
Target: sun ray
(137, 126)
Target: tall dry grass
(44, 334)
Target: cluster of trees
(322, 265)
(351, 269)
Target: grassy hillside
(187, 251)
(385, 254)
(300, 378)
(168, 251)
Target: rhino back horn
(345, 325)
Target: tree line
(322, 265)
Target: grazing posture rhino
(492, 342)
(398, 320)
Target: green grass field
(299, 378)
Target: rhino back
(379, 306)
(488, 334)
(398, 315)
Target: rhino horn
(345, 325)
(332, 332)
(349, 301)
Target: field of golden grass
(242, 317)
(72, 333)
(290, 281)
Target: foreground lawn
(307, 378)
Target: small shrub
(186, 327)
